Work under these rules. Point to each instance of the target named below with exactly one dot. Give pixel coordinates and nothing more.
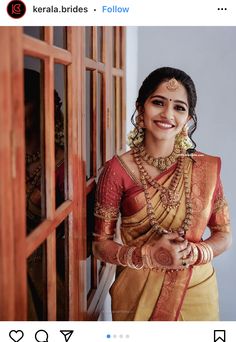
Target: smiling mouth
(164, 125)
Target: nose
(168, 111)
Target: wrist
(204, 253)
(130, 256)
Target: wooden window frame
(15, 245)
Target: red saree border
(172, 295)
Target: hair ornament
(172, 84)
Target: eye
(180, 108)
(158, 102)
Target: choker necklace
(170, 198)
(161, 163)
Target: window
(62, 116)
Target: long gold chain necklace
(169, 197)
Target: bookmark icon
(67, 334)
(219, 336)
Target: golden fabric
(152, 294)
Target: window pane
(37, 285)
(100, 129)
(114, 48)
(90, 227)
(34, 142)
(113, 117)
(100, 44)
(60, 107)
(62, 271)
(121, 55)
(60, 36)
(89, 124)
(121, 118)
(34, 31)
(89, 41)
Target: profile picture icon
(16, 9)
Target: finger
(186, 262)
(185, 252)
(182, 246)
(172, 236)
(179, 239)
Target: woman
(167, 194)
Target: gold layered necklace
(169, 196)
(161, 163)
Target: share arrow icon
(67, 334)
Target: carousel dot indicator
(108, 336)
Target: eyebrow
(165, 98)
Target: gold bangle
(130, 259)
(118, 256)
(209, 250)
(194, 253)
(146, 257)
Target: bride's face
(165, 112)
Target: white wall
(131, 72)
(208, 55)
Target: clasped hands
(168, 251)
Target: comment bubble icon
(41, 336)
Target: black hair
(151, 83)
(32, 92)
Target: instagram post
(116, 174)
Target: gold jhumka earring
(136, 135)
(182, 139)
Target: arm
(108, 197)
(219, 224)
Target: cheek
(181, 120)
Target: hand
(169, 251)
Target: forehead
(179, 94)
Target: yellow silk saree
(155, 295)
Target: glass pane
(100, 129)
(113, 117)
(121, 114)
(34, 31)
(62, 272)
(89, 124)
(37, 285)
(34, 142)
(60, 36)
(60, 107)
(89, 41)
(114, 48)
(121, 44)
(100, 44)
(90, 227)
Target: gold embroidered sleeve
(220, 220)
(107, 205)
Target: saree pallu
(155, 295)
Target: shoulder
(112, 169)
(209, 160)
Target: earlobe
(140, 120)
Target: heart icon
(16, 335)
